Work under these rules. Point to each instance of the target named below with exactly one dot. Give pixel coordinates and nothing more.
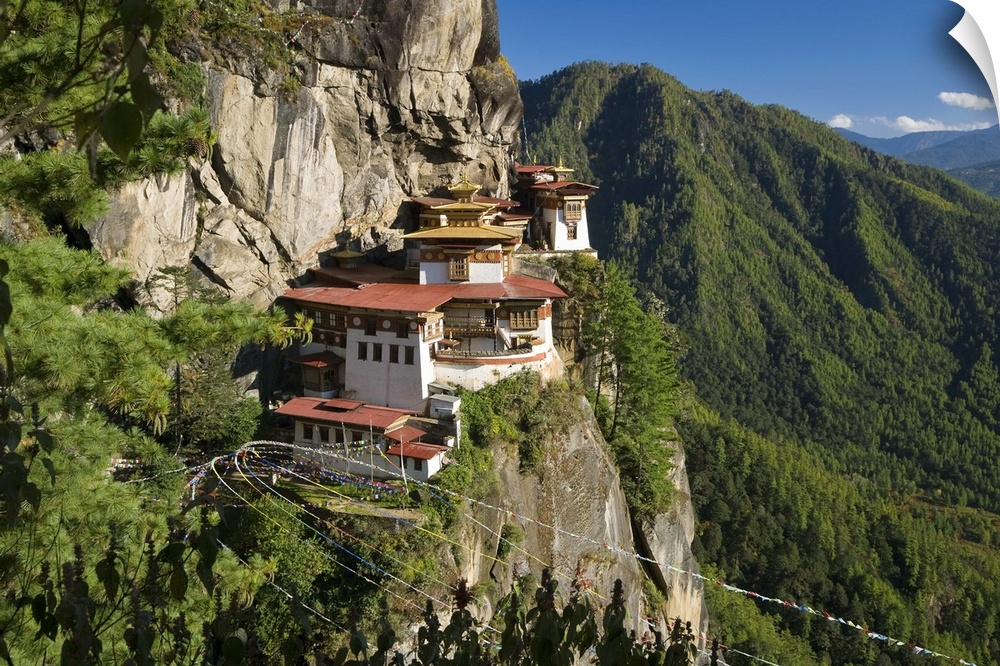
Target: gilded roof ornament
(464, 189)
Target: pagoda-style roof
(434, 202)
(531, 168)
(485, 232)
(564, 187)
(425, 297)
(463, 206)
(463, 189)
(560, 170)
(347, 254)
(508, 219)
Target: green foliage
(215, 415)
(520, 411)
(851, 291)
(744, 626)
(637, 381)
(786, 525)
(535, 630)
(95, 567)
(50, 184)
(53, 185)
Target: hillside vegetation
(838, 316)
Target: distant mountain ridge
(968, 156)
(899, 146)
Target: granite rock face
(396, 99)
(575, 519)
(667, 541)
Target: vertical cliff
(569, 513)
(667, 540)
(391, 99)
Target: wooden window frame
(458, 268)
(524, 320)
(573, 211)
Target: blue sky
(881, 67)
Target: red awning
(323, 359)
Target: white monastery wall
(377, 380)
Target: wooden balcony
(470, 327)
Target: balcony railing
(470, 326)
(465, 353)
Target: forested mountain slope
(827, 293)
(841, 303)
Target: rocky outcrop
(667, 541)
(150, 224)
(389, 101)
(571, 515)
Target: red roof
(419, 451)
(323, 359)
(363, 273)
(499, 203)
(562, 185)
(531, 168)
(406, 434)
(381, 296)
(346, 412)
(514, 216)
(513, 286)
(425, 297)
(522, 286)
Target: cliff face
(667, 540)
(576, 491)
(395, 101)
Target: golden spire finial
(463, 189)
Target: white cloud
(965, 100)
(906, 124)
(840, 121)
